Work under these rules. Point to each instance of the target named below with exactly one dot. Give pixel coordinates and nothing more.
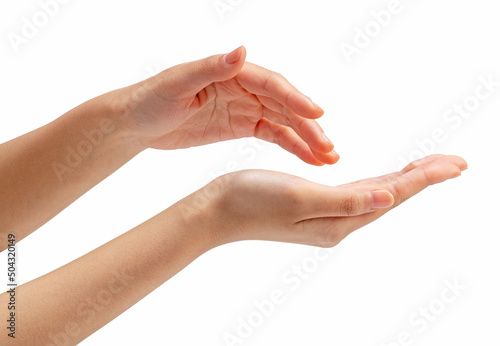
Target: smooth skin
(89, 292)
(218, 98)
(213, 99)
(238, 99)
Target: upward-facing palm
(268, 205)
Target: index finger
(260, 81)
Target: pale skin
(218, 98)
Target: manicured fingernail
(317, 106)
(234, 56)
(326, 138)
(382, 199)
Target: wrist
(116, 107)
(204, 210)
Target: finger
(408, 185)
(414, 181)
(325, 230)
(286, 138)
(329, 231)
(262, 82)
(189, 78)
(356, 200)
(307, 129)
(421, 162)
(329, 158)
(415, 164)
(418, 175)
(274, 105)
(448, 158)
(275, 117)
(371, 181)
(324, 201)
(310, 131)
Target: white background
(393, 93)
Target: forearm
(77, 299)
(44, 171)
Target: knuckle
(278, 76)
(350, 205)
(278, 79)
(412, 165)
(208, 65)
(398, 192)
(278, 135)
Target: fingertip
(382, 199)
(438, 172)
(334, 157)
(309, 157)
(237, 55)
(338, 158)
(327, 158)
(456, 162)
(243, 53)
(319, 111)
(306, 108)
(461, 163)
(456, 172)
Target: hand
(268, 205)
(220, 98)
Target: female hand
(266, 205)
(220, 98)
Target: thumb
(192, 77)
(347, 201)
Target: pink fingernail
(234, 56)
(317, 106)
(382, 199)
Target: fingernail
(316, 105)
(326, 138)
(234, 56)
(382, 199)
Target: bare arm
(44, 171)
(214, 99)
(67, 304)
